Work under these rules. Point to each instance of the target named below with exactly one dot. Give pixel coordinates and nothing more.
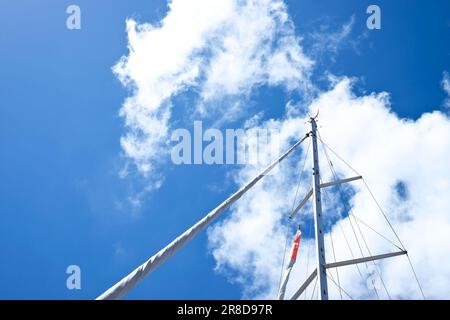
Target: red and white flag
(296, 244)
(293, 258)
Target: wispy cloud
(327, 41)
(219, 50)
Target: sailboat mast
(318, 224)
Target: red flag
(291, 263)
(295, 246)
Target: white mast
(318, 225)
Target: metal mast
(318, 224)
(321, 270)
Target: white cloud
(446, 87)
(257, 45)
(326, 42)
(219, 49)
(386, 150)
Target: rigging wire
(340, 288)
(314, 290)
(398, 238)
(334, 255)
(384, 214)
(307, 255)
(368, 226)
(362, 254)
(349, 220)
(332, 246)
(350, 249)
(351, 252)
(367, 186)
(348, 244)
(377, 269)
(288, 227)
(415, 276)
(381, 210)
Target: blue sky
(62, 201)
